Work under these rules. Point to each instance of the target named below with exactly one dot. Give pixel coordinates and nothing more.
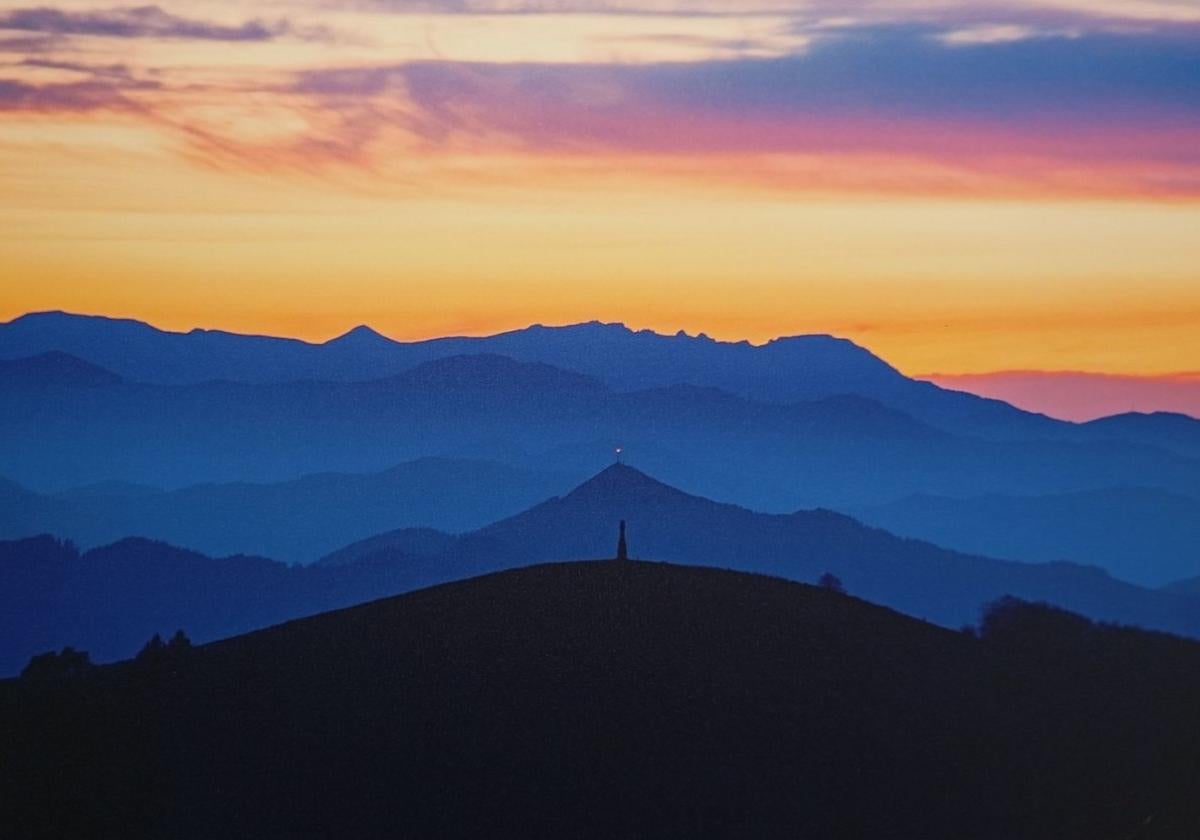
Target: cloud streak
(74, 97)
(134, 22)
(1097, 115)
(955, 99)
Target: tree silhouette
(831, 582)
(57, 667)
(152, 649)
(156, 653)
(179, 643)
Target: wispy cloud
(918, 96)
(134, 22)
(1072, 100)
(64, 97)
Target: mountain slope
(1145, 536)
(52, 369)
(401, 545)
(614, 700)
(1176, 432)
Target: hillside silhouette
(610, 699)
(110, 599)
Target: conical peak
(620, 479)
(361, 333)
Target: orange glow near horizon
(643, 162)
(952, 285)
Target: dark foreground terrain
(618, 700)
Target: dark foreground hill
(617, 700)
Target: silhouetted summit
(622, 483)
(361, 335)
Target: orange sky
(316, 165)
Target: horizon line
(1175, 376)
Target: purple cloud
(73, 96)
(104, 87)
(135, 22)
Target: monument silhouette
(622, 548)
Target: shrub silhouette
(1021, 625)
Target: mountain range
(794, 424)
(105, 430)
(785, 370)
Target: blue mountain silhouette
(297, 521)
(111, 599)
(784, 370)
(1138, 534)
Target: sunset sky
(960, 186)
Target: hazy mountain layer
(838, 451)
(295, 521)
(1142, 535)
